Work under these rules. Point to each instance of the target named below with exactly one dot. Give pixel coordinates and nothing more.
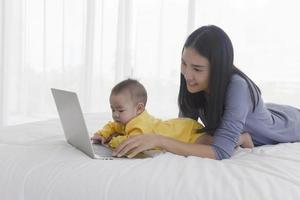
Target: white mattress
(37, 164)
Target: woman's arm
(187, 149)
(140, 143)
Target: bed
(36, 163)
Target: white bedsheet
(37, 164)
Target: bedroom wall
(2, 71)
(1, 62)
(88, 46)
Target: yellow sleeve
(109, 129)
(135, 131)
(116, 141)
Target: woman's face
(195, 69)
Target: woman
(224, 98)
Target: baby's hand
(115, 134)
(98, 139)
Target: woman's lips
(192, 84)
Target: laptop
(74, 126)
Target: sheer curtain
(89, 45)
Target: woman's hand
(137, 144)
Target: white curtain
(89, 45)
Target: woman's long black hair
(214, 44)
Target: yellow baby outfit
(182, 129)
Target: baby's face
(122, 107)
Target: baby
(128, 100)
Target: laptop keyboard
(102, 150)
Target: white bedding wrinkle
(37, 163)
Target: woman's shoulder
(238, 91)
(237, 83)
(237, 79)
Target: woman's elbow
(220, 154)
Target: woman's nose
(188, 74)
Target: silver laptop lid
(72, 120)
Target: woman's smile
(192, 84)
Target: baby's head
(127, 100)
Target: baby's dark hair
(136, 90)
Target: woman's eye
(197, 70)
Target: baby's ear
(140, 108)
